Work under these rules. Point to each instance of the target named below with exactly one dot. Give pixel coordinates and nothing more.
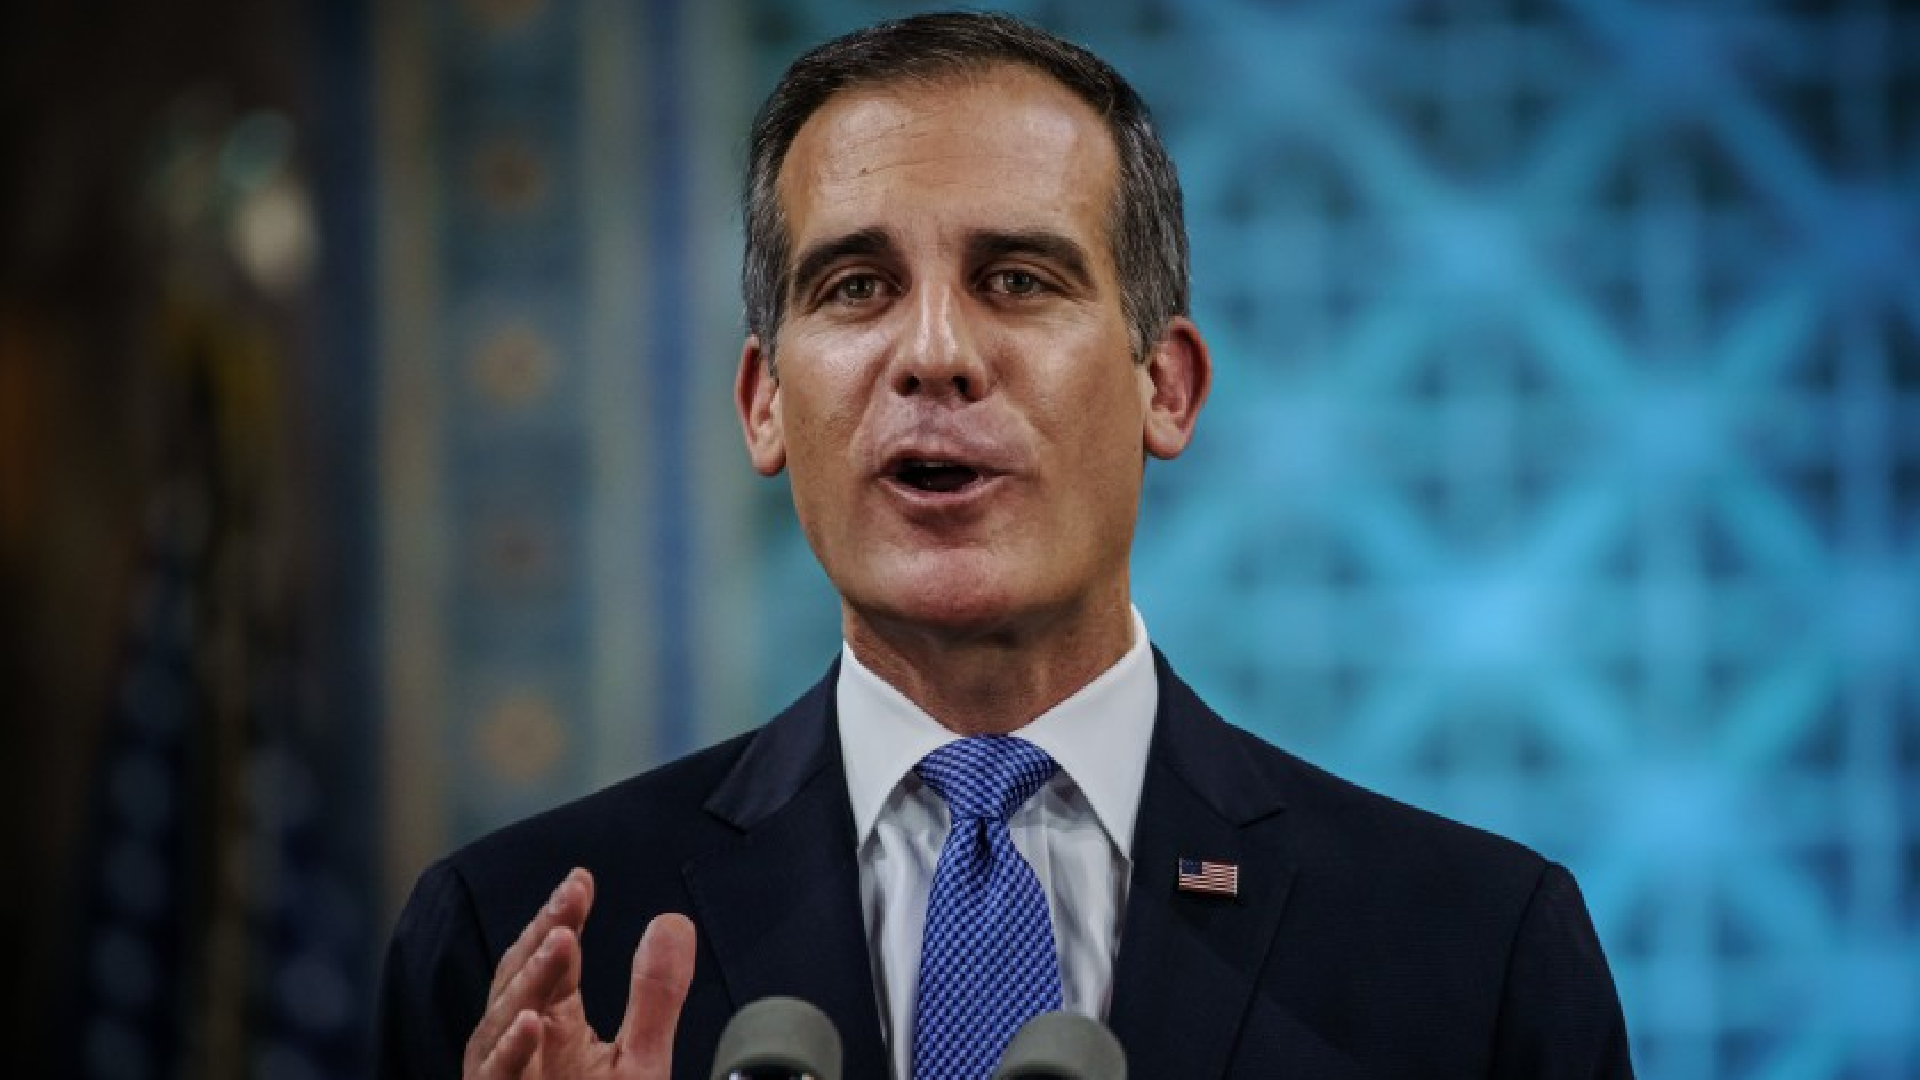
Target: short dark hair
(1146, 229)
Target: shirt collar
(1099, 737)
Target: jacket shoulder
(1329, 820)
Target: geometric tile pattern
(1563, 470)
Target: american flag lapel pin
(1209, 878)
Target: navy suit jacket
(1369, 939)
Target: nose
(939, 355)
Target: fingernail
(546, 948)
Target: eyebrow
(1061, 251)
(866, 243)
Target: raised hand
(535, 1026)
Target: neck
(993, 681)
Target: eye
(1015, 282)
(854, 289)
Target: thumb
(662, 971)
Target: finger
(515, 1050)
(568, 906)
(548, 977)
(558, 977)
(662, 971)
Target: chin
(953, 594)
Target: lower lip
(921, 499)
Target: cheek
(816, 451)
(1097, 430)
(1106, 413)
(820, 412)
(829, 380)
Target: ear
(755, 394)
(1178, 374)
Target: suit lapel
(1189, 965)
(781, 907)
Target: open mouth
(942, 477)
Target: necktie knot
(986, 776)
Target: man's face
(957, 401)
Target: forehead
(1005, 147)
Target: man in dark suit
(967, 309)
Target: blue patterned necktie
(987, 963)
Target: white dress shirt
(1076, 832)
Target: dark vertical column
(668, 352)
(339, 385)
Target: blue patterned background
(1562, 472)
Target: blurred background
(368, 475)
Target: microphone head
(1063, 1046)
(779, 1036)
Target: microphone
(1062, 1046)
(778, 1038)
